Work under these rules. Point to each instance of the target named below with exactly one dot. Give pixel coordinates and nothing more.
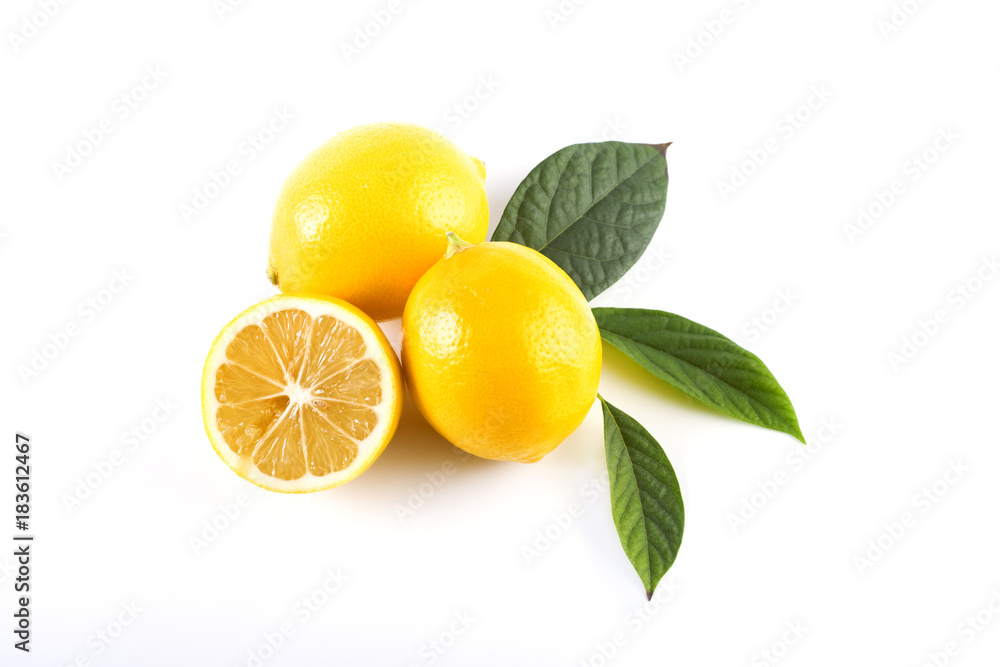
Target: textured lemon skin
(343, 311)
(501, 352)
(365, 215)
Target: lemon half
(301, 394)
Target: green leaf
(702, 363)
(645, 497)
(591, 209)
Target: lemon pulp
(298, 394)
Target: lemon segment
(300, 393)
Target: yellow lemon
(300, 393)
(500, 351)
(365, 215)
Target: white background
(604, 70)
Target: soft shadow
(416, 450)
(499, 188)
(616, 361)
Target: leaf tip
(794, 428)
(649, 596)
(662, 148)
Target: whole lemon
(365, 215)
(501, 352)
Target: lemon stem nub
(272, 275)
(456, 244)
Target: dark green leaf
(645, 497)
(702, 363)
(591, 209)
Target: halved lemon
(301, 393)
